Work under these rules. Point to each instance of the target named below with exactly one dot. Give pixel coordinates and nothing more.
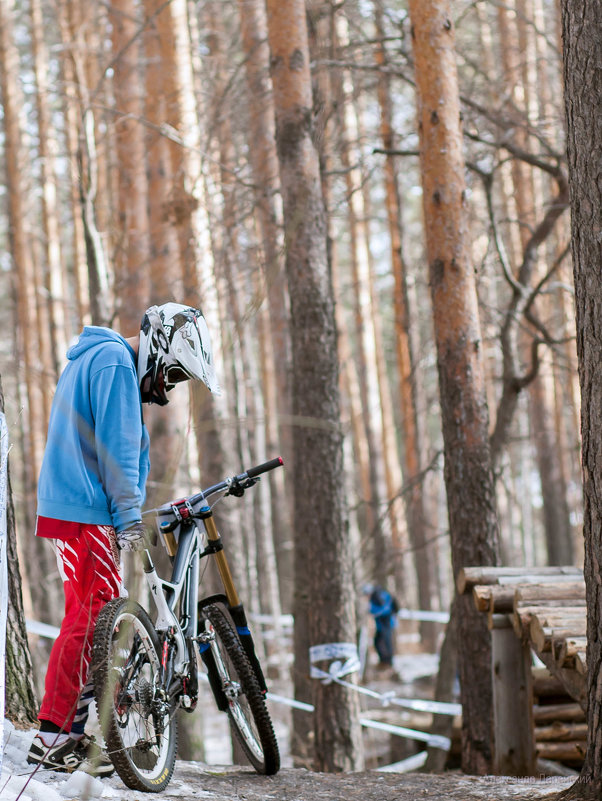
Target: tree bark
(21, 703)
(324, 596)
(361, 328)
(582, 34)
(54, 279)
(131, 232)
(465, 419)
(21, 252)
(417, 522)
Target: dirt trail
(195, 781)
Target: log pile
(546, 609)
(560, 729)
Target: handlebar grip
(263, 468)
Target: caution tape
(339, 668)
(423, 615)
(42, 629)
(433, 740)
(337, 651)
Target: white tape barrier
(403, 614)
(42, 629)
(434, 740)
(337, 651)
(418, 705)
(337, 669)
(270, 620)
(428, 616)
(3, 572)
(406, 765)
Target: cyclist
(90, 493)
(383, 608)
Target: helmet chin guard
(174, 346)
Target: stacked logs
(560, 729)
(546, 607)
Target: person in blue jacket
(91, 490)
(383, 608)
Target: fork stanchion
(223, 567)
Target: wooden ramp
(530, 610)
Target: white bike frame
(184, 584)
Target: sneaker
(71, 755)
(95, 759)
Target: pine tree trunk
(417, 521)
(264, 166)
(468, 471)
(79, 301)
(54, 279)
(21, 252)
(356, 457)
(132, 233)
(324, 595)
(582, 34)
(362, 327)
(21, 704)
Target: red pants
(89, 565)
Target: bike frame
(194, 518)
(166, 594)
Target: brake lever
(237, 488)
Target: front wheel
(246, 705)
(136, 715)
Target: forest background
(142, 163)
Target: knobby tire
(125, 642)
(248, 714)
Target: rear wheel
(246, 703)
(135, 713)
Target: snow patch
(82, 785)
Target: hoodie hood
(93, 335)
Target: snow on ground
(20, 781)
(23, 782)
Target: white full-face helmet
(174, 346)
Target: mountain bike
(146, 669)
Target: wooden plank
(468, 577)
(549, 713)
(494, 598)
(553, 616)
(481, 594)
(521, 621)
(572, 752)
(514, 753)
(545, 685)
(554, 613)
(571, 646)
(550, 591)
(561, 732)
(581, 663)
(574, 682)
(541, 635)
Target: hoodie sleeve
(118, 430)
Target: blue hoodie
(96, 460)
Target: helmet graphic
(174, 346)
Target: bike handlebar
(265, 467)
(251, 473)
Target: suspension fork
(215, 547)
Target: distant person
(90, 495)
(383, 608)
